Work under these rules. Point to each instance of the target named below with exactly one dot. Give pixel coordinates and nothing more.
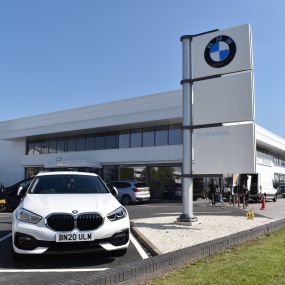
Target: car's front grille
(61, 222)
(91, 221)
(67, 222)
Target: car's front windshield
(67, 184)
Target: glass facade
(278, 160)
(161, 136)
(148, 137)
(175, 134)
(280, 181)
(80, 143)
(71, 144)
(136, 138)
(152, 136)
(164, 181)
(52, 146)
(60, 145)
(89, 142)
(124, 139)
(99, 141)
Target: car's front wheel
(126, 200)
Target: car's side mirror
(22, 190)
(114, 191)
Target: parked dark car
(9, 200)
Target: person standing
(213, 190)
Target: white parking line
(5, 214)
(157, 206)
(5, 237)
(168, 213)
(52, 270)
(138, 247)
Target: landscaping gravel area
(167, 236)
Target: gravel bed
(168, 236)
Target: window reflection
(89, 143)
(37, 148)
(124, 139)
(52, 146)
(161, 135)
(175, 135)
(60, 145)
(31, 148)
(80, 143)
(148, 137)
(136, 138)
(100, 141)
(71, 144)
(110, 141)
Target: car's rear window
(67, 184)
(140, 185)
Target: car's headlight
(118, 214)
(27, 216)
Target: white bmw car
(64, 212)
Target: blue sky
(60, 54)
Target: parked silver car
(131, 191)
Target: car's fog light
(26, 242)
(120, 238)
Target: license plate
(144, 189)
(3, 201)
(71, 237)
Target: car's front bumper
(39, 239)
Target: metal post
(187, 180)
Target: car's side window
(121, 184)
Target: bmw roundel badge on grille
(220, 51)
(74, 212)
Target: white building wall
(11, 169)
(269, 140)
(140, 155)
(152, 108)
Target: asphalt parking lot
(49, 269)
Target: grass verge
(260, 261)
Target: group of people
(215, 194)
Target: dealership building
(138, 138)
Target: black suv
(9, 199)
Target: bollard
(263, 203)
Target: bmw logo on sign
(220, 51)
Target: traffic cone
(263, 205)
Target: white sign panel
(224, 150)
(224, 99)
(222, 52)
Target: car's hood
(44, 204)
